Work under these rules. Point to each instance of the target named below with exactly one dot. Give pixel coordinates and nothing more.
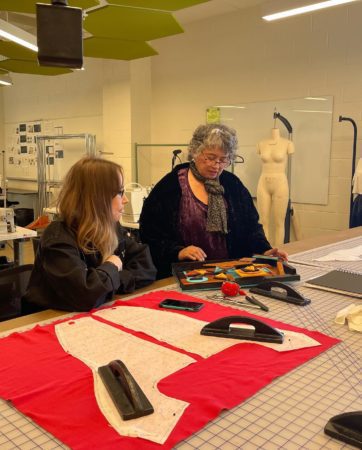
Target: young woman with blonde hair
(85, 256)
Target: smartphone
(171, 303)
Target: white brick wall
(239, 58)
(227, 59)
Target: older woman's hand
(276, 252)
(192, 252)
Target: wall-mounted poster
(21, 148)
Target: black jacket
(66, 278)
(160, 216)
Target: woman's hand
(276, 252)
(116, 261)
(192, 252)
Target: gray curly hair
(211, 136)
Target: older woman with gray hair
(200, 211)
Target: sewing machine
(136, 195)
(7, 224)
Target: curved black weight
(346, 427)
(290, 295)
(261, 332)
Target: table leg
(18, 252)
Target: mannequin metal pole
(348, 119)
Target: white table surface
(18, 234)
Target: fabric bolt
(192, 223)
(184, 332)
(56, 390)
(96, 344)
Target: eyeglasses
(212, 159)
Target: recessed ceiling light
(305, 9)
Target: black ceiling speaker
(59, 35)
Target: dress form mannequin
(273, 190)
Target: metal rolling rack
(44, 183)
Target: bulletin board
(311, 120)
(21, 156)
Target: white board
(311, 120)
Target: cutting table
(289, 413)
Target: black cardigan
(160, 216)
(66, 278)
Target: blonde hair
(85, 203)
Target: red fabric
(56, 390)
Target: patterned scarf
(216, 212)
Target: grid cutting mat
(310, 256)
(290, 413)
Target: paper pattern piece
(209, 385)
(350, 254)
(184, 332)
(96, 344)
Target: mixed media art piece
(197, 275)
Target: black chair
(13, 284)
(35, 241)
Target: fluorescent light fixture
(316, 98)
(312, 111)
(5, 80)
(230, 106)
(15, 34)
(305, 9)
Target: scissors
(230, 300)
(254, 303)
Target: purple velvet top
(192, 222)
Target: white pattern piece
(349, 254)
(184, 332)
(96, 344)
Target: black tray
(178, 270)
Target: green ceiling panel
(121, 22)
(28, 6)
(19, 66)
(15, 51)
(165, 5)
(95, 47)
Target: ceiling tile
(134, 24)
(165, 5)
(28, 6)
(95, 47)
(30, 67)
(15, 51)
